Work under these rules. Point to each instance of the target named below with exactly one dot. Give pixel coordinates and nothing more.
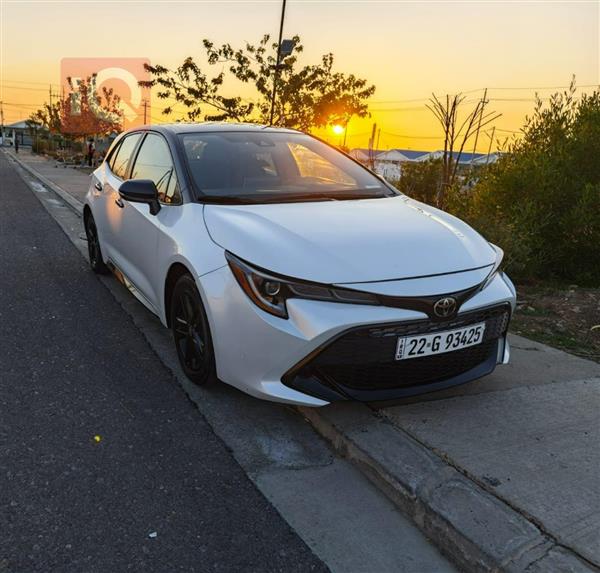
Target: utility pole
(483, 103)
(487, 159)
(1, 123)
(378, 136)
(371, 143)
(276, 75)
(145, 103)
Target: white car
(285, 268)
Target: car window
(154, 162)
(273, 167)
(311, 164)
(123, 155)
(113, 156)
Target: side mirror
(141, 191)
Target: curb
(76, 205)
(472, 527)
(476, 530)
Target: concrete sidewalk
(73, 181)
(502, 473)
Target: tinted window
(123, 155)
(113, 155)
(154, 162)
(262, 167)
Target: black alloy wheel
(93, 242)
(192, 333)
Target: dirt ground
(563, 317)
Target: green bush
(421, 180)
(541, 200)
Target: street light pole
(276, 75)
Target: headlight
(270, 292)
(497, 268)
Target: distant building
(388, 163)
(20, 130)
(465, 157)
(485, 159)
(365, 155)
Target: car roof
(213, 126)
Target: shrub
(541, 201)
(421, 180)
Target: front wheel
(192, 333)
(93, 242)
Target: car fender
(186, 242)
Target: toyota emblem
(445, 307)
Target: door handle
(98, 186)
(119, 203)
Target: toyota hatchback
(290, 271)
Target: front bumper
(359, 364)
(333, 351)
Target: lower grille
(364, 358)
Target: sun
(337, 129)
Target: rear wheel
(192, 333)
(94, 251)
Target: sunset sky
(407, 49)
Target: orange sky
(407, 49)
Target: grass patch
(563, 316)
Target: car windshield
(263, 167)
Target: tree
(48, 117)
(307, 97)
(541, 200)
(85, 112)
(456, 134)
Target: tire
(191, 333)
(94, 250)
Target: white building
(364, 155)
(466, 158)
(388, 164)
(20, 130)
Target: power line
(7, 87)
(29, 105)
(399, 109)
(421, 98)
(531, 88)
(31, 83)
(405, 136)
(547, 87)
(508, 131)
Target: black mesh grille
(364, 358)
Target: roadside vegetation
(62, 127)
(541, 203)
(566, 317)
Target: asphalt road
(105, 465)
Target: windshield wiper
(295, 197)
(287, 198)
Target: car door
(108, 216)
(138, 227)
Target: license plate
(439, 342)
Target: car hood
(349, 241)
